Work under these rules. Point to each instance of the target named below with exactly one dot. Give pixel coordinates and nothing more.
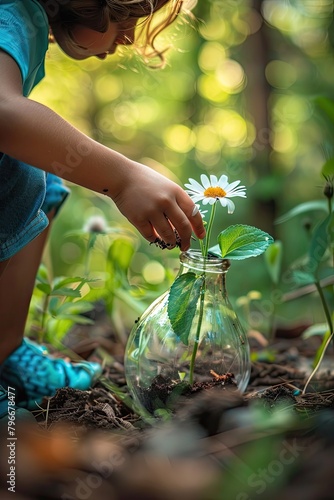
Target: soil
(273, 442)
(169, 394)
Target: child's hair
(96, 15)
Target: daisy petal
(193, 193)
(205, 181)
(242, 194)
(231, 186)
(198, 198)
(213, 180)
(239, 191)
(223, 181)
(208, 201)
(230, 206)
(195, 186)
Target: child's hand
(155, 206)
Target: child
(31, 134)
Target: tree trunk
(255, 52)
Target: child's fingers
(165, 229)
(191, 211)
(197, 224)
(156, 230)
(182, 224)
(170, 229)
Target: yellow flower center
(214, 192)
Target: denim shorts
(27, 195)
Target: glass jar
(188, 339)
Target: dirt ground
(271, 442)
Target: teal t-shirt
(26, 193)
(24, 31)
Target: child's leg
(16, 286)
(23, 365)
(3, 266)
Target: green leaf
(320, 349)
(57, 329)
(60, 282)
(273, 259)
(328, 168)
(79, 307)
(42, 275)
(241, 242)
(301, 277)
(44, 287)
(66, 292)
(319, 244)
(91, 241)
(118, 262)
(53, 305)
(317, 329)
(309, 206)
(215, 251)
(331, 229)
(76, 318)
(182, 302)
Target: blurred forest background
(237, 96)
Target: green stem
(325, 306)
(198, 332)
(330, 337)
(319, 362)
(204, 250)
(330, 208)
(208, 233)
(90, 245)
(43, 319)
(201, 245)
(330, 205)
(87, 256)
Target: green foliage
(319, 258)
(240, 242)
(320, 242)
(309, 206)
(317, 329)
(273, 259)
(319, 247)
(182, 303)
(328, 168)
(57, 306)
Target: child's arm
(36, 135)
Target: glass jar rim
(195, 260)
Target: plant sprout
(236, 242)
(319, 259)
(211, 192)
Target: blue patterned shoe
(35, 374)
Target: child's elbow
(8, 123)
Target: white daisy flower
(214, 189)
